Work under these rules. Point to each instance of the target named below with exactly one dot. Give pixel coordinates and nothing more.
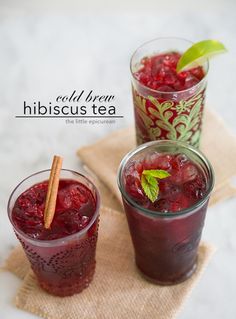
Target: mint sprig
(150, 184)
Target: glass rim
(169, 215)
(169, 92)
(62, 240)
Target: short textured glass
(173, 115)
(166, 244)
(63, 266)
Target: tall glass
(63, 266)
(161, 115)
(166, 244)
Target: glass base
(160, 282)
(75, 288)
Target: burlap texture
(117, 291)
(17, 263)
(217, 143)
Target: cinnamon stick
(51, 197)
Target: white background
(49, 48)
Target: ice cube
(189, 173)
(190, 81)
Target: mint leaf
(149, 182)
(150, 187)
(159, 173)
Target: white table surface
(51, 48)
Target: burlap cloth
(118, 291)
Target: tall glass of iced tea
(166, 231)
(63, 256)
(167, 104)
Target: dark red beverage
(62, 257)
(166, 233)
(167, 104)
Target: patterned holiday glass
(173, 110)
(63, 266)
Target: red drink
(62, 257)
(167, 104)
(166, 233)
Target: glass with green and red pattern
(63, 256)
(167, 104)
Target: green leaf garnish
(149, 182)
(199, 51)
(150, 187)
(159, 173)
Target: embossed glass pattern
(62, 266)
(167, 115)
(166, 244)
